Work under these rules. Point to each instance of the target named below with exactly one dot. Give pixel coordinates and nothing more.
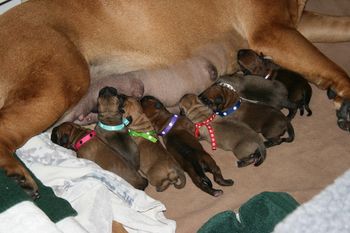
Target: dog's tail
(290, 132)
(181, 178)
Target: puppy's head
(191, 106)
(65, 134)
(252, 63)
(108, 106)
(131, 108)
(151, 106)
(214, 97)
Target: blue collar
(229, 110)
(114, 127)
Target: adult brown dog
(68, 135)
(51, 50)
(159, 166)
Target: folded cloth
(260, 214)
(54, 207)
(97, 195)
(327, 212)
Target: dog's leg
(293, 51)
(36, 101)
(209, 165)
(324, 28)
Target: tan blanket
(319, 154)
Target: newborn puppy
(89, 146)
(233, 135)
(299, 90)
(111, 127)
(177, 133)
(257, 90)
(264, 119)
(156, 162)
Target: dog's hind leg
(35, 101)
(209, 165)
(324, 28)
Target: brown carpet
(319, 154)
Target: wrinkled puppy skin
(183, 145)
(159, 166)
(67, 135)
(235, 136)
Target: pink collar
(87, 137)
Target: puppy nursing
(299, 90)
(156, 163)
(233, 136)
(89, 146)
(264, 119)
(177, 134)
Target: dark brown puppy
(91, 147)
(186, 149)
(264, 119)
(111, 127)
(299, 89)
(233, 135)
(258, 90)
(159, 166)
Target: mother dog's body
(51, 51)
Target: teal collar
(114, 127)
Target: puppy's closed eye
(63, 141)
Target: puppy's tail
(306, 99)
(290, 132)
(181, 180)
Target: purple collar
(170, 125)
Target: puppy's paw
(343, 115)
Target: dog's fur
(52, 50)
(235, 136)
(68, 133)
(108, 106)
(299, 90)
(264, 119)
(159, 166)
(183, 145)
(259, 90)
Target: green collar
(150, 135)
(114, 127)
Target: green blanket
(260, 214)
(55, 208)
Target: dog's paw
(343, 115)
(21, 176)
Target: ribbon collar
(150, 135)
(230, 110)
(87, 137)
(170, 125)
(210, 130)
(114, 127)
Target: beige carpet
(319, 154)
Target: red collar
(87, 137)
(210, 129)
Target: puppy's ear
(121, 99)
(182, 112)
(54, 137)
(107, 92)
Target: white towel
(97, 195)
